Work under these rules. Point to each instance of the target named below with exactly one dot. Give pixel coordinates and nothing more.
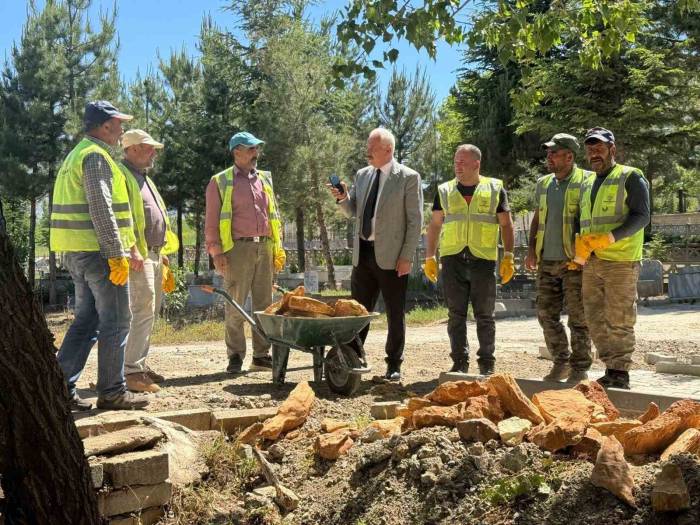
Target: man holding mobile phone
(386, 202)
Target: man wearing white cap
(150, 276)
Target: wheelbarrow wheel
(338, 376)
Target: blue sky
(147, 27)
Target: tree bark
(325, 243)
(301, 249)
(31, 260)
(181, 249)
(44, 473)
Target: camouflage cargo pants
(610, 303)
(559, 288)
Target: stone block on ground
(292, 413)
(612, 472)
(655, 435)
(479, 430)
(148, 467)
(231, 420)
(333, 445)
(453, 392)
(597, 394)
(119, 441)
(652, 412)
(688, 441)
(133, 499)
(589, 445)
(437, 416)
(567, 403)
(670, 493)
(512, 398)
(149, 516)
(488, 406)
(560, 433)
(107, 422)
(617, 428)
(384, 409)
(513, 430)
(97, 474)
(665, 367)
(194, 419)
(651, 358)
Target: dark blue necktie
(370, 205)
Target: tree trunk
(181, 249)
(53, 299)
(325, 243)
(197, 242)
(301, 249)
(31, 260)
(44, 473)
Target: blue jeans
(101, 314)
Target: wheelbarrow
(343, 364)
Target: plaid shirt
(97, 181)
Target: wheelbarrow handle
(211, 289)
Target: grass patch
(334, 293)
(362, 421)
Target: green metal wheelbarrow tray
(343, 364)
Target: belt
(252, 239)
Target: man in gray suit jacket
(386, 202)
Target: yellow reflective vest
(475, 224)
(71, 226)
(572, 201)
(224, 181)
(608, 212)
(136, 201)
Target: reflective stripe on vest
(224, 182)
(475, 224)
(136, 200)
(572, 201)
(72, 229)
(608, 212)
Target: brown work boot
(140, 382)
(155, 376)
(124, 401)
(559, 372)
(576, 376)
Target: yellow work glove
(582, 250)
(430, 269)
(507, 268)
(598, 241)
(571, 265)
(168, 281)
(119, 270)
(279, 260)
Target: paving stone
(148, 467)
(132, 499)
(664, 367)
(231, 420)
(384, 409)
(194, 419)
(124, 440)
(108, 422)
(97, 474)
(149, 516)
(651, 358)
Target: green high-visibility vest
(136, 201)
(474, 225)
(224, 181)
(608, 212)
(572, 201)
(71, 226)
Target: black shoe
(615, 379)
(79, 405)
(461, 367)
(393, 375)
(486, 369)
(235, 364)
(261, 363)
(124, 401)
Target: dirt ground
(394, 492)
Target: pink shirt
(249, 206)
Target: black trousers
(468, 279)
(366, 282)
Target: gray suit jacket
(398, 215)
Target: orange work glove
(430, 269)
(598, 241)
(507, 268)
(582, 250)
(571, 265)
(119, 270)
(168, 281)
(279, 260)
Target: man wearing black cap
(614, 212)
(551, 250)
(91, 223)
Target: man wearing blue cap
(243, 234)
(91, 223)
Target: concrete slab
(231, 420)
(651, 358)
(133, 499)
(665, 367)
(194, 419)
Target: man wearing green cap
(243, 235)
(551, 250)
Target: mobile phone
(335, 182)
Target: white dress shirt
(383, 175)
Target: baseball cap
(601, 134)
(243, 138)
(139, 136)
(562, 141)
(99, 112)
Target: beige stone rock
(384, 409)
(617, 428)
(486, 406)
(670, 493)
(612, 472)
(250, 434)
(388, 427)
(453, 392)
(123, 440)
(231, 421)
(560, 433)
(478, 430)
(688, 441)
(589, 445)
(333, 445)
(567, 403)
(655, 435)
(513, 400)
(437, 416)
(146, 467)
(412, 405)
(596, 393)
(331, 425)
(292, 413)
(132, 499)
(652, 412)
(513, 430)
